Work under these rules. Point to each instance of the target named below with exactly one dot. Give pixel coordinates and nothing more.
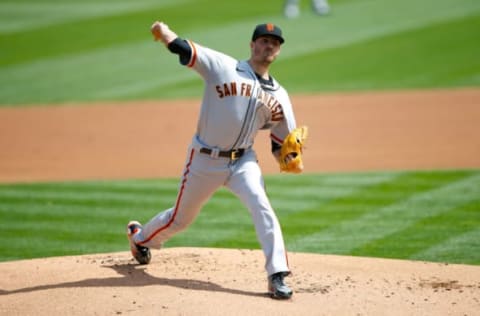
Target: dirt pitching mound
(192, 281)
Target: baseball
(156, 31)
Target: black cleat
(277, 288)
(140, 253)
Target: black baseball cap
(268, 29)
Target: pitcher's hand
(161, 32)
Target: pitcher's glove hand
(292, 150)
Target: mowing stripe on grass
(147, 193)
(378, 223)
(87, 196)
(400, 215)
(425, 233)
(150, 185)
(296, 201)
(117, 75)
(59, 245)
(352, 25)
(334, 211)
(61, 227)
(463, 248)
(63, 211)
(348, 26)
(451, 50)
(284, 195)
(25, 15)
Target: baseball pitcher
(240, 98)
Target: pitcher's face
(265, 49)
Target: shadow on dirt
(132, 276)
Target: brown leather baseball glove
(292, 150)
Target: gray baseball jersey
(235, 105)
(234, 108)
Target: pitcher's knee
(180, 224)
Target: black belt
(233, 154)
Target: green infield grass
(61, 51)
(428, 215)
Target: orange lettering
(225, 89)
(248, 93)
(219, 91)
(271, 101)
(233, 88)
(277, 112)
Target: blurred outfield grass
(60, 51)
(408, 215)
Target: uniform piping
(175, 212)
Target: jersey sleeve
(207, 62)
(279, 131)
